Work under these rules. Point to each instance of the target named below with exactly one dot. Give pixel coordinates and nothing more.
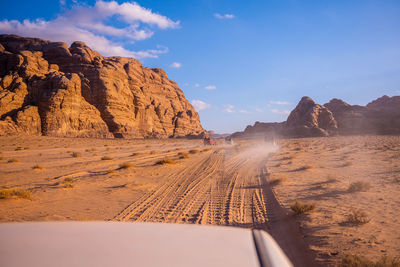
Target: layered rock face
(51, 89)
(308, 119)
(381, 116)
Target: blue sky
(237, 61)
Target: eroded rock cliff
(51, 89)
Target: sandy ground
(223, 185)
(334, 164)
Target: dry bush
(361, 261)
(125, 165)
(193, 151)
(18, 148)
(37, 167)
(110, 171)
(106, 158)
(357, 217)
(359, 187)
(68, 182)
(300, 208)
(76, 154)
(16, 193)
(183, 155)
(134, 154)
(13, 160)
(165, 161)
(276, 180)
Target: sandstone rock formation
(308, 119)
(51, 89)
(381, 116)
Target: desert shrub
(68, 180)
(193, 151)
(76, 154)
(106, 158)
(26, 148)
(110, 171)
(183, 155)
(359, 186)
(125, 165)
(18, 148)
(134, 154)
(165, 161)
(300, 208)
(13, 160)
(357, 217)
(37, 167)
(361, 261)
(276, 180)
(18, 193)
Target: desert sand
(183, 181)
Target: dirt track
(222, 187)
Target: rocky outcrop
(310, 119)
(381, 116)
(261, 129)
(74, 91)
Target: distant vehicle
(228, 140)
(135, 244)
(209, 141)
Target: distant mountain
(48, 88)
(308, 119)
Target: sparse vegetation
(359, 187)
(165, 161)
(125, 165)
(18, 148)
(76, 154)
(300, 208)
(361, 261)
(13, 160)
(183, 155)
(110, 171)
(106, 158)
(15, 193)
(68, 182)
(193, 151)
(357, 217)
(276, 180)
(37, 167)
(134, 154)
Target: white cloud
(196, 85)
(224, 16)
(210, 87)
(92, 25)
(279, 102)
(200, 105)
(259, 110)
(229, 108)
(176, 65)
(285, 112)
(244, 111)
